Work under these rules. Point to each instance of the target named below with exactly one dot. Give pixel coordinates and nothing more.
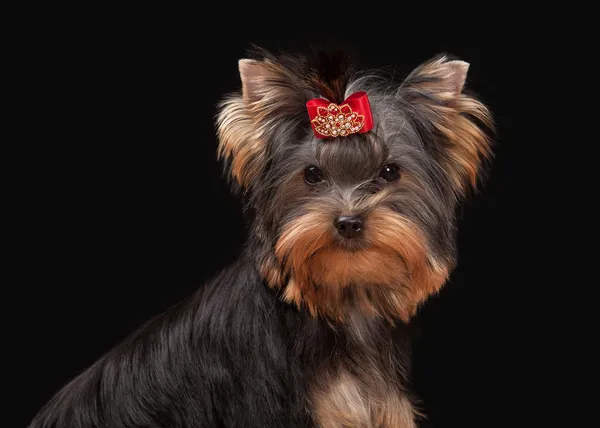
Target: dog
(352, 181)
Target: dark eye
(313, 175)
(390, 173)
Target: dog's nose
(349, 226)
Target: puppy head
(364, 221)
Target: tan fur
(342, 400)
(271, 272)
(239, 141)
(455, 115)
(389, 277)
(394, 271)
(245, 119)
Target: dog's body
(234, 355)
(350, 233)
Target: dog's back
(218, 359)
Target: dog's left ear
(434, 91)
(246, 121)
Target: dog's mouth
(350, 245)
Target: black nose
(349, 226)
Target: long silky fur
(232, 355)
(280, 338)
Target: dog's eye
(390, 173)
(313, 175)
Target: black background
(120, 208)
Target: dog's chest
(342, 400)
(358, 386)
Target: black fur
(233, 355)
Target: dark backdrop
(121, 210)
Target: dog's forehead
(350, 158)
(355, 156)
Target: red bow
(331, 120)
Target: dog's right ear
(253, 74)
(240, 144)
(244, 119)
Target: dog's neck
(396, 302)
(364, 378)
(356, 370)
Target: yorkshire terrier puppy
(352, 183)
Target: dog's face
(364, 221)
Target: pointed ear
(240, 146)
(457, 124)
(265, 79)
(438, 80)
(252, 74)
(244, 119)
(457, 75)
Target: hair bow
(332, 120)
